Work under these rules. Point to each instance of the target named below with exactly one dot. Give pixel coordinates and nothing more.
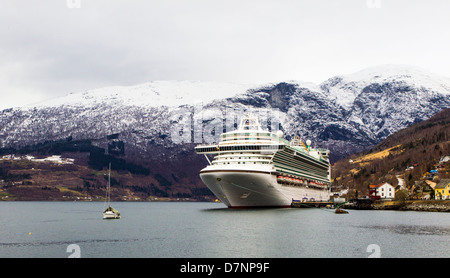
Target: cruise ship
(253, 167)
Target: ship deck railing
(240, 147)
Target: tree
(401, 195)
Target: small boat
(110, 212)
(340, 211)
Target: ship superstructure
(253, 167)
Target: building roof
(442, 184)
(431, 184)
(378, 185)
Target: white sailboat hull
(110, 215)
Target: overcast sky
(50, 48)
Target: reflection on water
(413, 229)
(66, 242)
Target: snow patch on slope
(344, 89)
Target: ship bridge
(249, 137)
(214, 149)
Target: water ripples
(413, 229)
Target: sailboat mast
(109, 183)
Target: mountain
(408, 154)
(157, 124)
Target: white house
(382, 191)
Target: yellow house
(442, 190)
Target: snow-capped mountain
(151, 94)
(345, 89)
(162, 120)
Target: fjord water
(210, 230)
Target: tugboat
(340, 211)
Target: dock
(311, 204)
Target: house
(381, 191)
(442, 190)
(423, 189)
(444, 159)
(431, 184)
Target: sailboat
(110, 212)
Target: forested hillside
(409, 154)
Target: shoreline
(408, 205)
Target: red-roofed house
(381, 191)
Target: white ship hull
(249, 188)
